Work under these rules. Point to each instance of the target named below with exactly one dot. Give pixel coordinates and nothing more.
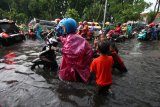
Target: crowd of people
(80, 60)
(150, 32)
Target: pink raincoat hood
(76, 58)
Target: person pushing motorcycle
(76, 53)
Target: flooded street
(22, 87)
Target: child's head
(103, 47)
(113, 47)
(118, 24)
(102, 37)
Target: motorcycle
(32, 35)
(47, 58)
(144, 35)
(113, 36)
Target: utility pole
(105, 9)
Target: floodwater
(21, 87)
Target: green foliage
(94, 12)
(127, 9)
(24, 10)
(151, 16)
(72, 13)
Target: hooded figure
(76, 53)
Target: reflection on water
(139, 87)
(9, 57)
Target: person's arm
(57, 49)
(35, 26)
(92, 71)
(62, 39)
(92, 67)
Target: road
(21, 87)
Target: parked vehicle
(96, 26)
(114, 36)
(144, 35)
(9, 33)
(46, 25)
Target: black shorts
(102, 89)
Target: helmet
(107, 23)
(57, 20)
(85, 22)
(124, 24)
(152, 24)
(66, 26)
(80, 23)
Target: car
(96, 26)
(46, 24)
(9, 33)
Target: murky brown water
(21, 87)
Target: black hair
(103, 47)
(37, 20)
(119, 24)
(113, 45)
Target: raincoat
(118, 30)
(76, 58)
(38, 31)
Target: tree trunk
(156, 9)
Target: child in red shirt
(102, 67)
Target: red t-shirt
(102, 67)
(118, 30)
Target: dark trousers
(102, 89)
(120, 67)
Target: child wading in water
(118, 63)
(102, 67)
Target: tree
(127, 9)
(94, 12)
(151, 16)
(73, 14)
(121, 10)
(154, 13)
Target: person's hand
(95, 42)
(54, 48)
(58, 39)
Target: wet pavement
(22, 87)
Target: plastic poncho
(76, 58)
(129, 29)
(38, 31)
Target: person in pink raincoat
(76, 53)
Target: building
(144, 16)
